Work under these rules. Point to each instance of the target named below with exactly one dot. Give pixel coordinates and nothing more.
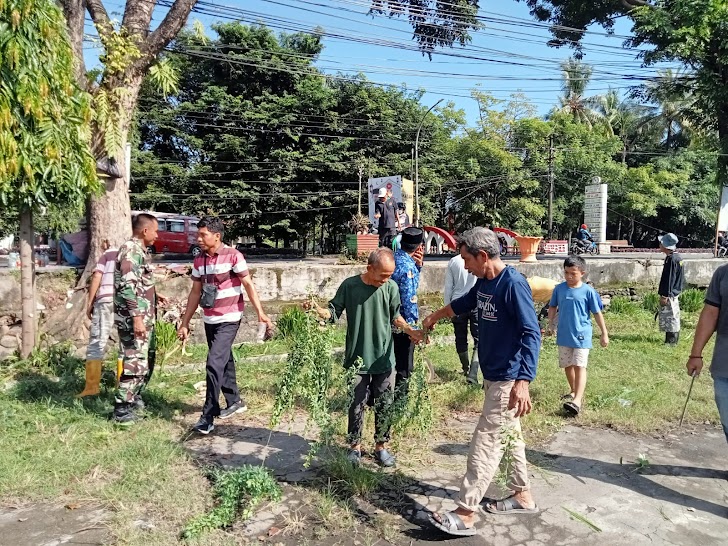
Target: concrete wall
(294, 281)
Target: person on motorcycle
(584, 238)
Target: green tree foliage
(256, 134)
(688, 31)
(44, 130)
(435, 24)
(44, 118)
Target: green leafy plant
(291, 322)
(651, 302)
(166, 339)
(642, 462)
(623, 306)
(411, 412)
(692, 300)
(55, 360)
(508, 438)
(238, 493)
(309, 375)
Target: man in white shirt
(458, 282)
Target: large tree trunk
(27, 282)
(109, 217)
(109, 214)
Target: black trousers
(404, 361)
(220, 367)
(460, 324)
(379, 387)
(386, 236)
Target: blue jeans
(721, 400)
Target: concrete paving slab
(586, 495)
(51, 525)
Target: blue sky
(509, 55)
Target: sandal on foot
(509, 505)
(452, 524)
(567, 397)
(571, 408)
(384, 458)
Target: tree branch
(74, 12)
(99, 16)
(159, 39)
(137, 17)
(631, 4)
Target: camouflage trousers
(135, 372)
(669, 315)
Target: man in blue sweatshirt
(509, 343)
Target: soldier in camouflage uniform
(134, 307)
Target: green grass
(55, 447)
(637, 384)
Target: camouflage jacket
(133, 284)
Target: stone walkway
(585, 481)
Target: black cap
(412, 237)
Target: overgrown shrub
(691, 300)
(238, 492)
(313, 378)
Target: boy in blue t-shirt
(574, 300)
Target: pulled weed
(238, 493)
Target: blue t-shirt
(575, 304)
(509, 334)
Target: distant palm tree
(576, 76)
(624, 119)
(671, 93)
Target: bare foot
(525, 499)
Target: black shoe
(204, 426)
(671, 338)
(237, 407)
(124, 414)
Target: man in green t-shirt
(372, 304)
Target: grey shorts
(572, 356)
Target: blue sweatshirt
(509, 334)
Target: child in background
(574, 300)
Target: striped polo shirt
(225, 270)
(106, 266)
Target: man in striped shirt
(219, 277)
(101, 313)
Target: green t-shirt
(370, 312)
